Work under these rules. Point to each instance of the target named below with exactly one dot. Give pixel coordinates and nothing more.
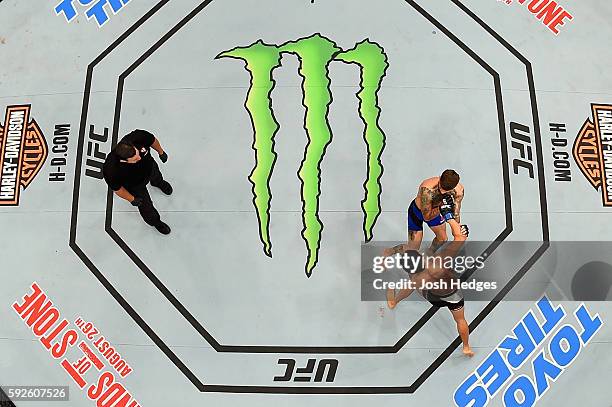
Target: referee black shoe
(162, 228)
(165, 187)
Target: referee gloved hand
(163, 157)
(137, 201)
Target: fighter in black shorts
(434, 272)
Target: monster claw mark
(314, 53)
(372, 60)
(261, 60)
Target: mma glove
(465, 231)
(163, 157)
(447, 208)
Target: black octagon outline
(292, 349)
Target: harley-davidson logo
(23, 151)
(593, 151)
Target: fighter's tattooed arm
(398, 249)
(427, 197)
(458, 199)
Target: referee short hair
(125, 150)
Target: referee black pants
(146, 209)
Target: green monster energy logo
(315, 54)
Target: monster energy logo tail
(314, 53)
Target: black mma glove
(163, 157)
(447, 208)
(137, 201)
(465, 231)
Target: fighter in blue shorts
(415, 218)
(426, 208)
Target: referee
(129, 167)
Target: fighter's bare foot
(391, 299)
(467, 351)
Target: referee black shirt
(119, 174)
